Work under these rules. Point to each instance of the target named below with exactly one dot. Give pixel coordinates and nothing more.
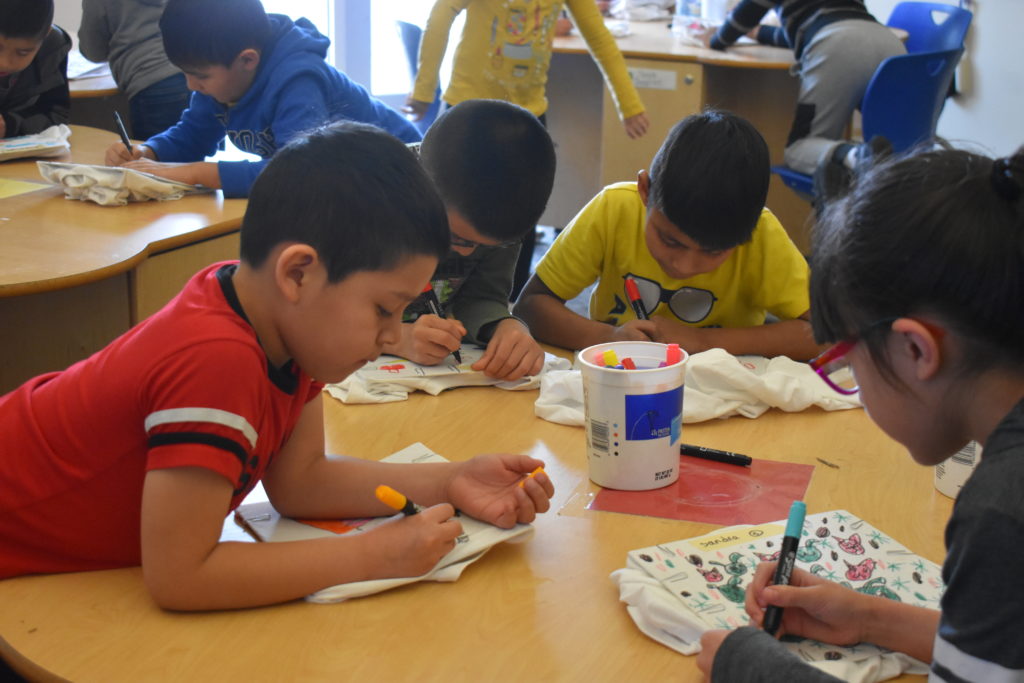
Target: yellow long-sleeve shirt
(505, 51)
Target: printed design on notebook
(709, 574)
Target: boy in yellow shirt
(505, 52)
(710, 262)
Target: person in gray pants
(838, 45)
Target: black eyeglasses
(457, 241)
(689, 304)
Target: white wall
(990, 108)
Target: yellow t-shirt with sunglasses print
(605, 242)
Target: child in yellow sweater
(505, 52)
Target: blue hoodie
(294, 90)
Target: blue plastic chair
(931, 26)
(411, 35)
(902, 102)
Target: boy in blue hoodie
(259, 79)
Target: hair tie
(1004, 182)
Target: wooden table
(92, 86)
(543, 610)
(673, 80)
(74, 275)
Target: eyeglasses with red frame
(833, 366)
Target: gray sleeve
(93, 33)
(483, 298)
(749, 655)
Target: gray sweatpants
(834, 71)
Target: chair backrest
(932, 26)
(411, 35)
(905, 97)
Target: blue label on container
(654, 416)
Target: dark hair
(710, 178)
(26, 18)
(936, 233)
(212, 32)
(352, 192)
(494, 163)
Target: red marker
(634, 298)
(435, 307)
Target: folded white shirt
(390, 378)
(112, 185)
(718, 384)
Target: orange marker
(531, 475)
(396, 500)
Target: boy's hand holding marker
(415, 545)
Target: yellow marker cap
(390, 497)
(610, 358)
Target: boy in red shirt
(136, 454)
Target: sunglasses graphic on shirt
(689, 304)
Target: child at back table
(33, 68)
(708, 259)
(493, 164)
(505, 52)
(259, 79)
(126, 33)
(136, 454)
(919, 278)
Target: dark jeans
(159, 106)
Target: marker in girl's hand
(396, 500)
(787, 559)
(531, 475)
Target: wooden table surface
(654, 40)
(50, 243)
(543, 610)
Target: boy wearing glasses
(709, 261)
(493, 164)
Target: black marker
(728, 457)
(435, 308)
(124, 133)
(787, 558)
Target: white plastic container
(633, 417)
(951, 475)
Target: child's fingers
(539, 490)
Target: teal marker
(787, 558)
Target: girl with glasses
(918, 278)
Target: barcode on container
(599, 436)
(965, 456)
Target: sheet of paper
(266, 524)
(12, 188)
(716, 493)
